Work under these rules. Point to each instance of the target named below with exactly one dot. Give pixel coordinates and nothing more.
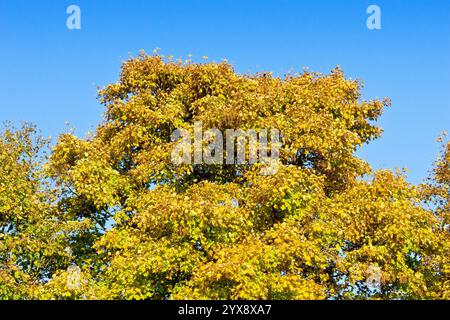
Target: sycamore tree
(112, 216)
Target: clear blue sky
(49, 74)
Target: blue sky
(49, 74)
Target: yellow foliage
(111, 217)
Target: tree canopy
(111, 216)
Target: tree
(36, 238)
(323, 226)
(436, 193)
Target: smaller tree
(436, 193)
(36, 237)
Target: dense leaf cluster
(111, 216)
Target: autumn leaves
(139, 226)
